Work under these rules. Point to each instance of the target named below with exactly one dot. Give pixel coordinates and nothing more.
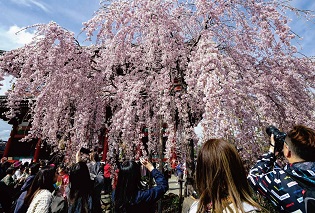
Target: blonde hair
(221, 178)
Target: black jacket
(146, 199)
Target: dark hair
(43, 180)
(220, 174)
(63, 167)
(34, 168)
(27, 170)
(42, 163)
(22, 167)
(303, 142)
(128, 184)
(80, 185)
(96, 157)
(10, 170)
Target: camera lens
(279, 137)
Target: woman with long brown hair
(39, 196)
(221, 180)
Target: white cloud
(30, 3)
(7, 84)
(5, 130)
(198, 131)
(14, 37)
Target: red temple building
(15, 149)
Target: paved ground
(174, 185)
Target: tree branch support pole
(181, 198)
(37, 151)
(105, 145)
(9, 143)
(161, 156)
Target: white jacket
(247, 207)
(41, 202)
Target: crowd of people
(42, 187)
(77, 187)
(221, 181)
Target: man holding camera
(285, 187)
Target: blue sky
(17, 14)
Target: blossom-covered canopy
(227, 64)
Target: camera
(278, 136)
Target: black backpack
(309, 199)
(308, 195)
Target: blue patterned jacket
(277, 185)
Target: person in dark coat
(79, 189)
(4, 165)
(128, 195)
(97, 177)
(28, 181)
(5, 200)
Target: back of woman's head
(34, 168)
(44, 179)
(10, 171)
(79, 180)
(128, 184)
(97, 157)
(62, 168)
(220, 176)
(94, 156)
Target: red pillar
(105, 146)
(37, 150)
(8, 144)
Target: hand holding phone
(146, 163)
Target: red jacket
(107, 170)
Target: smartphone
(85, 150)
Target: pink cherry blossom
(227, 64)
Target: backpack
(58, 204)
(309, 200)
(308, 194)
